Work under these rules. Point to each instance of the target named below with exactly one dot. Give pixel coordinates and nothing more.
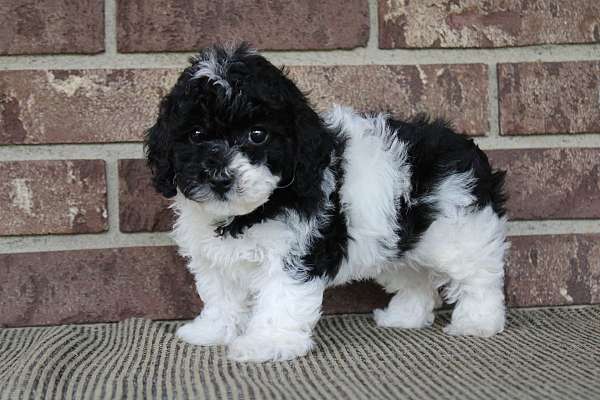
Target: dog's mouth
(213, 191)
(235, 190)
(224, 204)
(199, 192)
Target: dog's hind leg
(479, 309)
(414, 299)
(469, 250)
(479, 298)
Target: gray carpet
(543, 354)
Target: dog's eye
(258, 136)
(196, 136)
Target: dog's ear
(158, 148)
(313, 154)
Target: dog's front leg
(225, 310)
(285, 313)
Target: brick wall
(82, 235)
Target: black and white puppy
(275, 203)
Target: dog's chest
(260, 244)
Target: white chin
(255, 184)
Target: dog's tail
(498, 193)
(490, 183)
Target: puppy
(275, 203)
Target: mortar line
(574, 141)
(83, 151)
(493, 106)
(110, 27)
(373, 42)
(105, 240)
(357, 56)
(553, 227)
(112, 199)
(117, 239)
(106, 151)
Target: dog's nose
(217, 148)
(221, 184)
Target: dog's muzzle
(221, 183)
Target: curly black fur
(256, 93)
(435, 152)
(261, 95)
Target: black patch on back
(435, 151)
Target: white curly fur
(254, 300)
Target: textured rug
(543, 354)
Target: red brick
(79, 106)
(168, 25)
(40, 197)
(358, 297)
(458, 92)
(152, 282)
(553, 270)
(556, 97)
(551, 183)
(51, 26)
(541, 184)
(91, 106)
(140, 207)
(496, 23)
(95, 285)
(114, 284)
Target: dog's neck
(306, 204)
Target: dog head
(233, 131)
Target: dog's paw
(482, 318)
(397, 318)
(202, 332)
(482, 328)
(260, 348)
